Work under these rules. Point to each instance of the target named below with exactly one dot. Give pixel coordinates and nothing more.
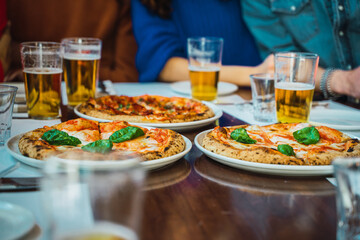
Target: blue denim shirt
(330, 28)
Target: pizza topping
(286, 149)
(125, 134)
(307, 135)
(240, 135)
(57, 137)
(99, 146)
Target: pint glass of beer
(294, 85)
(204, 55)
(81, 68)
(42, 67)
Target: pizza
(146, 109)
(287, 143)
(81, 138)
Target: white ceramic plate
(272, 169)
(12, 146)
(338, 119)
(15, 221)
(184, 87)
(173, 126)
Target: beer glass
(294, 85)
(42, 67)
(81, 62)
(204, 55)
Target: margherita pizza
(288, 144)
(81, 136)
(146, 109)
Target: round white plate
(338, 119)
(272, 169)
(12, 146)
(184, 87)
(173, 126)
(15, 221)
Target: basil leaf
(99, 146)
(57, 137)
(240, 135)
(126, 134)
(307, 135)
(286, 149)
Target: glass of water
(7, 99)
(263, 97)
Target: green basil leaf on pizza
(241, 135)
(286, 149)
(99, 146)
(57, 137)
(307, 135)
(126, 134)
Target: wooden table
(198, 198)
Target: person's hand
(268, 65)
(346, 82)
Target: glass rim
(84, 40)
(206, 39)
(264, 75)
(7, 88)
(44, 44)
(289, 54)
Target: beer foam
(43, 70)
(204, 69)
(294, 86)
(81, 56)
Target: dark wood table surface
(198, 198)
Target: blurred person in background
(162, 27)
(329, 28)
(5, 40)
(52, 20)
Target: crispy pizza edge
(31, 146)
(175, 145)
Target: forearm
(176, 69)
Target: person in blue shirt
(161, 29)
(329, 28)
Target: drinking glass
(263, 97)
(81, 68)
(204, 55)
(7, 99)
(42, 67)
(347, 173)
(294, 85)
(93, 199)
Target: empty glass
(263, 97)
(7, 99)
(347, 173)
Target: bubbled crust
(251, 154)
(31, 145)
(175, 145)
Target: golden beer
(80, 75)
(293, 101)
(107, 231)
(42, 87)
(204, 83)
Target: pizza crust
(174, 146)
